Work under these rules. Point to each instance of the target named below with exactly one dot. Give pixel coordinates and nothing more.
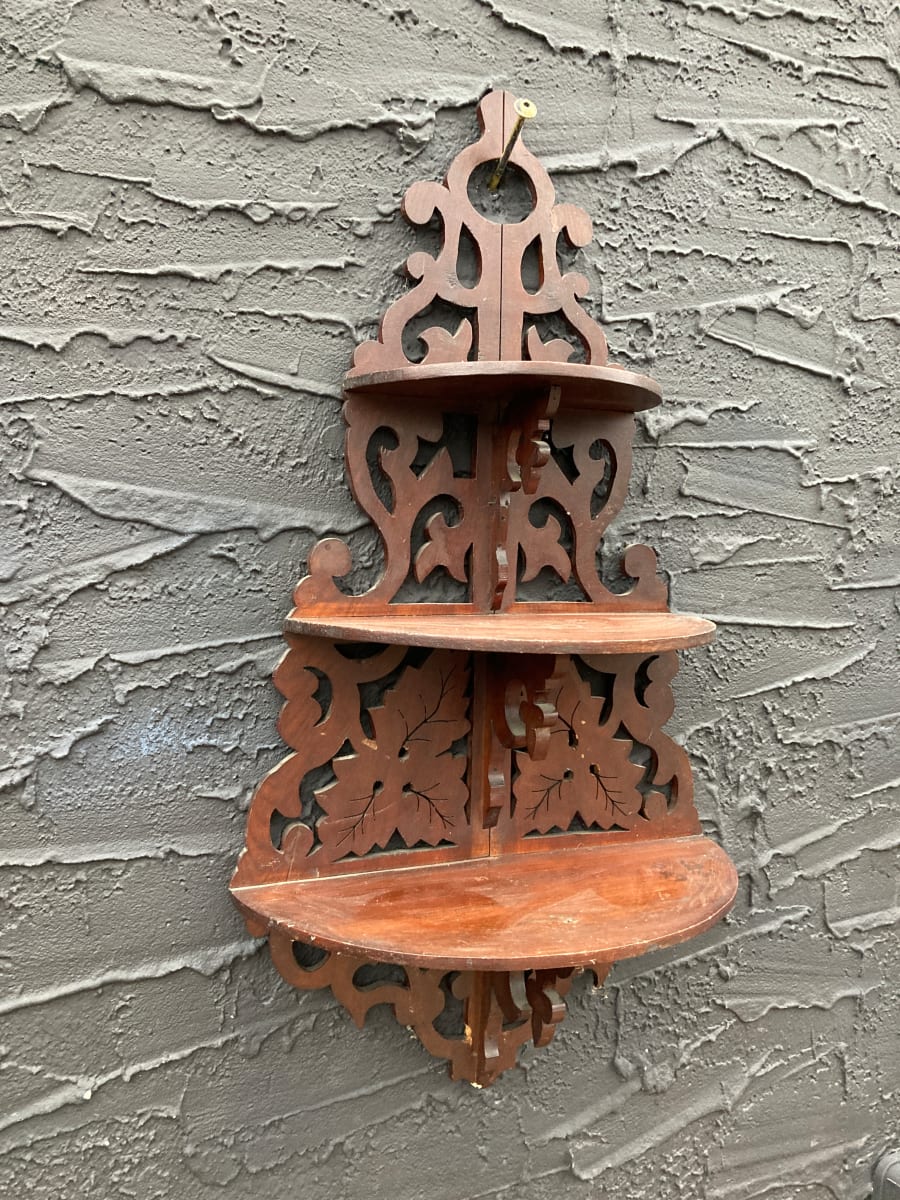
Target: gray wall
(199, 205)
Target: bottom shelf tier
(544, 909)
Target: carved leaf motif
(403, 779)
(586, 773)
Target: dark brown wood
(586, 776)
(388, 725)
(395, 770)
(480, 793)
(514, 912)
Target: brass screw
(525, 110)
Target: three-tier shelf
(480, 800)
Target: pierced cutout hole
(564, 457)
(468, 260)
(278, 822)
(601, 684)
(323, 693)
(308, 957)
(553, 327)
(373, 975)
(445, 319)
(513, 200)
(357, 650)
(381, 440)
(450, 1021)
(532, 267)
(602, 452)
(642, 679)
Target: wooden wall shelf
(587, 905)
(468, 385)
(526, 629)
(480, 799)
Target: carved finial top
(497, 311)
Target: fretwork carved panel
(401, 469)
(504, 324)
(607, 764)
(501, 1010)
(387, 732)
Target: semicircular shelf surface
(531, 910)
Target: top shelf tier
(469, 385)
(528, 630)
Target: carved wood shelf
(587, 905)
(479, 799)
(468, 385)
(527, 629)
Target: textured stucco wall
(199, 213)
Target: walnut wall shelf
(480, 799)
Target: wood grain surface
(550, 909)
(467, 385)
(539, 632)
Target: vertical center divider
(489, 788)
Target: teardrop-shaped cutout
(532, 267)
(468, 259)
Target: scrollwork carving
(590, 771)
(499, 461)
(398, 776)
(403, 779)
(557, 480)
(501, 1010)
(504, 308)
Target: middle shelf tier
(530, 630)
(549, 908)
